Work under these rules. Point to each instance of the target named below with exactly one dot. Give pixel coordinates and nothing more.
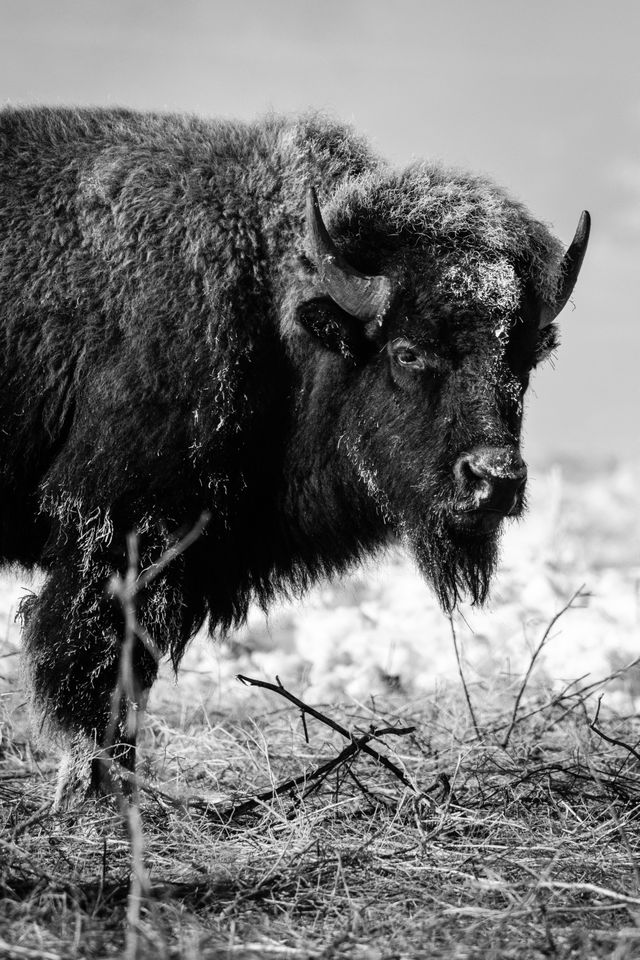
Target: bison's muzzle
(490, 483)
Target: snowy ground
(381, 630)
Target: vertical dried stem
(128, 693)
(462, 678)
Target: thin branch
(555, 701)
(357, 745)
(239, 809)
(127, 694)
(126, 691)
(462, 678)
(613, 740)
(328, 721)
(534, 657)
(170, 555)
(595, 773)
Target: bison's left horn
(569, 269)
(366, 298)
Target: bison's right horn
(569, 269)
(366, 298)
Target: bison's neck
(329, 515)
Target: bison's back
(132, 308)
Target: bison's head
(437, 341)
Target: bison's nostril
(491, 478)
(465, 472)
(471, 474)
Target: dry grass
(528, 851)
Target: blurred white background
(544, 97)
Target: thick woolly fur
(168, 349)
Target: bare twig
(534, 657)
(170, 555)
(595, 773)
(578, 696)
(126, 590)
(613, 740)
(317, 776)
(462, 678)
(555, 701)
(320, 773)
(347, 734)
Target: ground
(503, 825)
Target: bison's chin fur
(459, 564)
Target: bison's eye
(407, 356)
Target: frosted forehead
(473, 228)
(494, 289)
(491, 285)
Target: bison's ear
(336, 330)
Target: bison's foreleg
(73, 633)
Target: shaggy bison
(188, 325)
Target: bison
(266, 322)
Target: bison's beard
(458, 563)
